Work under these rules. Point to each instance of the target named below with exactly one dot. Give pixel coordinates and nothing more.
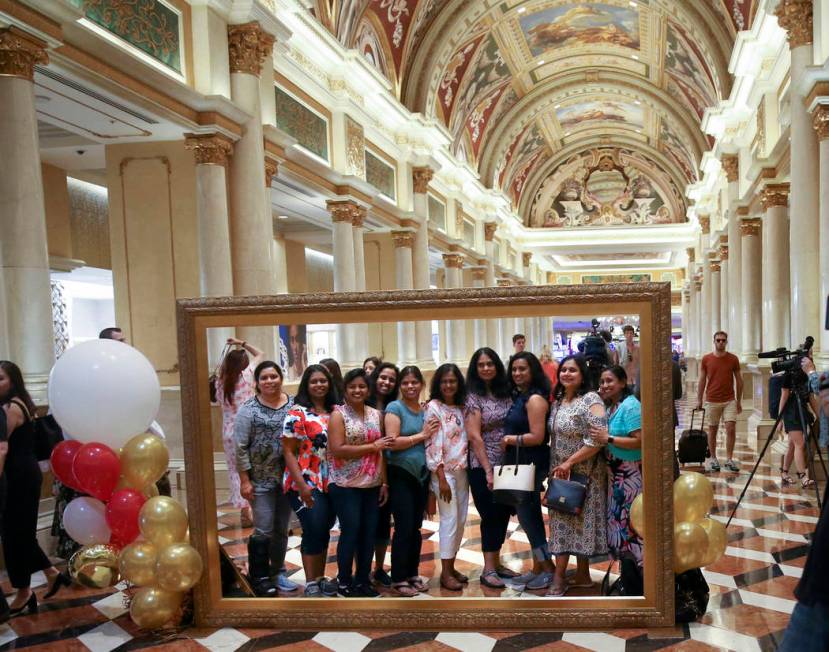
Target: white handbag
(513, 483)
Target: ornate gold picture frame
(651, 301)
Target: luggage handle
(693, 411)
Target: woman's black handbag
(691, 596)
(48, 434)
(567, 496)
(629, 581)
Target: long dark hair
(440, 372)
(336, 374)
(539, 383)
(499, 386)
(266, 364)
(18, 387)
(234, 363)
(303, 398)
(581, 363)
(621, 375)
(373, 396)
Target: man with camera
(719, 375)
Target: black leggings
(22, 551)
(494, 516)
(407, 496)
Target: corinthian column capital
(453, 260)
(774, 194)
(750, 226)
(403, 239)
(343, 210)
(271, 168)
(705, 224)
(489, 230)
(248, 45)
(19, 52)
(209, 149)
(731, 165)
(795, 16)
(526, 258)
(421, 177)
(691, 254)
(820, 121)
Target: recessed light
(557, 106)
(282, 217)
(633, 56)
(541, 63)
(633, 4)
(521, 10)
(636, 102)
(567, 134)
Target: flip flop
(558, 591)
(463, 579)
(583, 585)
(418, 584)
(491, 579)
(504, 572)
(404, 589)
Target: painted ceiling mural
(581, 24)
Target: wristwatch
(610, 439)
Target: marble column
(751, 288)
(479, 328)
(529, 322)
(403, 242)
(456, 328)
(492, 330)
(251, 225)
(730, 164)
(689, 327)
(212, 153)
(705, 312)
(703, 345)
(505, 329)
(361, 342)
(421, 176)
(27, 324)
(723, 253)
(343, 213)
(686, 318)
(714, 267)
(821, 124)
(795, 16)
(775, 246)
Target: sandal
(492, 580)
(463, 579)
(404, 589)
(419, 584)
(558, 590)
(581, 585)
(506, 573)
(805, 481)
(785, 478)
(450, 583)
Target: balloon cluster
(104, 392)
(698, 540)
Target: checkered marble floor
(751, 591)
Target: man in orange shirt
(719, 374)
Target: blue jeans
(357, 510)
(808, 629)
(531, 520)
(271, 518)
(316, 521)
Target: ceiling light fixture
(636, 102)
(633, 4)
(633, 56)
(557, 106)
(541, 63)
(521, 10)
(282, 217)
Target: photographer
(816, 380)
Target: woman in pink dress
(234, 386)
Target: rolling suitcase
(693, 443)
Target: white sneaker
(732, 466)
(712, 465)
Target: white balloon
(104, 391)
(84, 519)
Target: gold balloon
(150, 490)
(693, 498)
(162, 521)
(152, 608)
(690, 545)
(717, 540)
(144, 459)
(123, 483)
(179, 567)
(95, 566)
(637, 516)
(137, 563)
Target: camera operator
(816, 380)
(797, 431)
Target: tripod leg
(808, 432)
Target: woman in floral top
(446, 454)
(305, 447)
(357, 483)
(488, 400)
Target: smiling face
(610, 387)
(318, 385)
(449, 387)
(569, 375)
(521, 375)
(356, 391)
(486, 368)
(386, 381)
(269, 382)
(410, 387)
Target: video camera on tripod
(788, 361)
(595, 353)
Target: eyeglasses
(719, 339)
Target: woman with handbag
(576, 529)
(525, 428)
(234, 385)
(488, 400)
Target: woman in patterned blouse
(446, 454)
(305, 446)
(357, 483)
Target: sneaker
(285, 584)
(381, 577)
(329, 587)
(366, 591)
(522, 580)
(712, 466)
(349, 590)
(540, 581)
(732, 466)
(312, 590)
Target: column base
(759, 428)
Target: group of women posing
(365, 450)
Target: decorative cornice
(19, 52)
(489, 230)
(421, 176)
(271, 168)
(453, 260)
(343, 210)
(820, 121)
(723, 253)
(248, 45)
(692, 254)
(774, 194)
(359, 217)
(209, 149)
(795, 16)
(403, 239)
(526, 258)
(750, 226)
(705, 224)
(731, 165)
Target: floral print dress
(358, 472)
(243, 390)
(311, 429)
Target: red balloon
(97, 469)
(122, 515)
(62, 459)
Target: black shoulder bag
(568, 496)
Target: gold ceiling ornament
(692, 254)
(820, 121)
(795, 16)
(489, 230)
(526, 258)
(421, 176)
(750, 226)
(248, 45)
(403, 239)
(343, 210)
(774, 194)
(453, 260)
(359, 217)
(209, 149)
(19, 52)
(723, 252)
(705, 224)
(731, 165)
(271, 168)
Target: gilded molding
(820, 121)
(403, 239)
(750, 226)
(359, 217)
(705, 224)
(209, 149)
(526, 258)
(421, 176)
(343, 210)
(692, 254)
(796, 17)
(248, 45)
(271, 168)
(19, 52)
(774, 194)
(453, 260)
(731, 165)
(355, 148)
(489, 230)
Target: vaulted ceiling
(540, 95)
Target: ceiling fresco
(580, 24)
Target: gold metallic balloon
(137, 563)
(144, 459)
(690, 546)
(152, 608)
(693, 498)
(150, 490)
(179, 567)
(717, 540)
(637, 516)
(95, 566)
(163, 521)
(123, 483)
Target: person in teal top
(623, 437)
